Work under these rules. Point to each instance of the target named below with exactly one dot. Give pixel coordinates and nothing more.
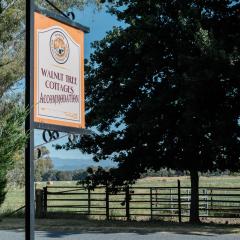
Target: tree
(79, 175)
(11, 105)
(164, 91)
(11, 43)
(50, 175)
(64, 175)
(16, 175)
(12, 140)
(43, 163)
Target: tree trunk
(194, 209)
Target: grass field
(15, 197)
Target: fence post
(156, 197)
(171, 200)
(107, 203)
(211, 194)
(151, 203)
(179, 202)
(127, 197)
(45, 201)
(39, 202)
(205, 195)
(89, 201)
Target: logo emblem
(59, 47)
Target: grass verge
(85, 225)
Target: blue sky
(99, 23)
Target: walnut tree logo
(59, 47)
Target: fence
(139, 202)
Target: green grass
(14, 200)
(15, 196)
(218, 181)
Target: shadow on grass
(60, 226)
(151, 228)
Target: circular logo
(59, 47)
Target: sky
(99, 22)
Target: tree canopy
(11, 43)
(164, 91)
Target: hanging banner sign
(58, 73)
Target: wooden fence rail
(138, 202)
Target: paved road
(19, 235)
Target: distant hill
(81, 163)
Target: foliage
(64, 176)
(11, 71)
(79, 175)
(69, 5)
(16, 175)
(58, 175)
(11, 43)
(12, 139)
(49, 176)
(43, 164)
(164, 91)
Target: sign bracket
(60, 11)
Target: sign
(58, 73)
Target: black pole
(179, 202)
(29, 151)
(107, 203)
(127, 198)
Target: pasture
(15, 196)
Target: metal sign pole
(32, 12)
(29, 151)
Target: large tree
(164, 91)
(12, 114)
